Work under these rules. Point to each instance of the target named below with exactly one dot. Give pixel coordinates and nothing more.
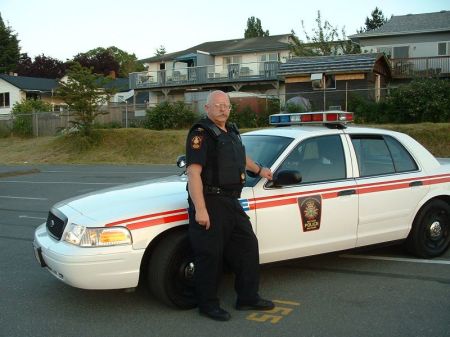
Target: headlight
(97, 237)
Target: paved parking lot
(373, 292)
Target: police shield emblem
(311, 211)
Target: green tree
(254, 28)
(160, 51)
(376, 20)
(22, 113)
(84, 93)
(9, 48)
(105, 60)
(324, 40)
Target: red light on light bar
(348, 117)
(332, 117)
(317, 117)
(307, 118)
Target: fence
(127, 115)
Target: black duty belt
(212, 190)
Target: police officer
(219, 229)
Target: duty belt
(212, 190)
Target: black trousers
(230, 238)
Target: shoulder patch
(196, 142)
(200, 129)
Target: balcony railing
(421, 67)
(228, 73)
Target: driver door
(318, 214)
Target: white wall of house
(14, 96)
(424, 49)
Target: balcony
(201, 75)
(437, 66)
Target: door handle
(415, 183)
(346, 192)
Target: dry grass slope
(141, 146)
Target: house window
(231, 60)
(4, 100)
(443, 48)
(401, 52)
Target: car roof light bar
(320, 117)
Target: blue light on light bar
(285, 119)
(274, 119)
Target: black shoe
(259, 304)
(217, 313)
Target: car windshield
(264, 150)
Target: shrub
(22, 113)
(168, 115)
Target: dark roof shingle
(31, 83)
(330, 64)
(234, 46)
(411, 24)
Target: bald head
(218, 107)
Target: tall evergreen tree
(160, 51)
(376, 20)
(9, 48)
(254, 28)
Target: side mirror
(181, 161)
(285, 178)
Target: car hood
(130, 200)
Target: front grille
(56, 224)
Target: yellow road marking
(286, 302)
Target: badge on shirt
(196, 142)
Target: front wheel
(430, 233)
(171, 271)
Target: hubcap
(435, 230)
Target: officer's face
(218, 109)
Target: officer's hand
(266, 173)
(202, 218)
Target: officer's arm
(195, 186)
(264, 172)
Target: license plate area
(38, 256)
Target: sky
(63, 28)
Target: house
(249, 65)
(14, 89)
(417, 44)
(326, 81)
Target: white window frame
(3, 100)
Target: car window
(403, 161)
(317, 159)
(378, 155)
(263, 150)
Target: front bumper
(113, 267)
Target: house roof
(411, 24)
(330, 64)
(228, 47)
(46, 84)
(31, 83)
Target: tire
(170, 271)
(430, 233)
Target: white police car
(335, 187)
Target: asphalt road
(375, 292)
